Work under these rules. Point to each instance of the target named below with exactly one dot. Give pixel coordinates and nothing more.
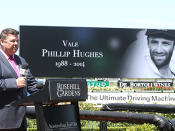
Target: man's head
(161, 46)
(9, 41)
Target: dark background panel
(111, 41)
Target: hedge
(143, 127)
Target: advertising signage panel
(98, 52)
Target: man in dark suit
(12, 85)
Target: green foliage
(31, 129)
(167, 116)
(31, 123)
(88, 106)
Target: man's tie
(13, 63)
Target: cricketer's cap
(162, 33)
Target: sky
(88, 13)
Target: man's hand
(21, 82)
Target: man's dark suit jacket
(12, 116)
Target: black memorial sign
(74, 51)
(96, 52)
